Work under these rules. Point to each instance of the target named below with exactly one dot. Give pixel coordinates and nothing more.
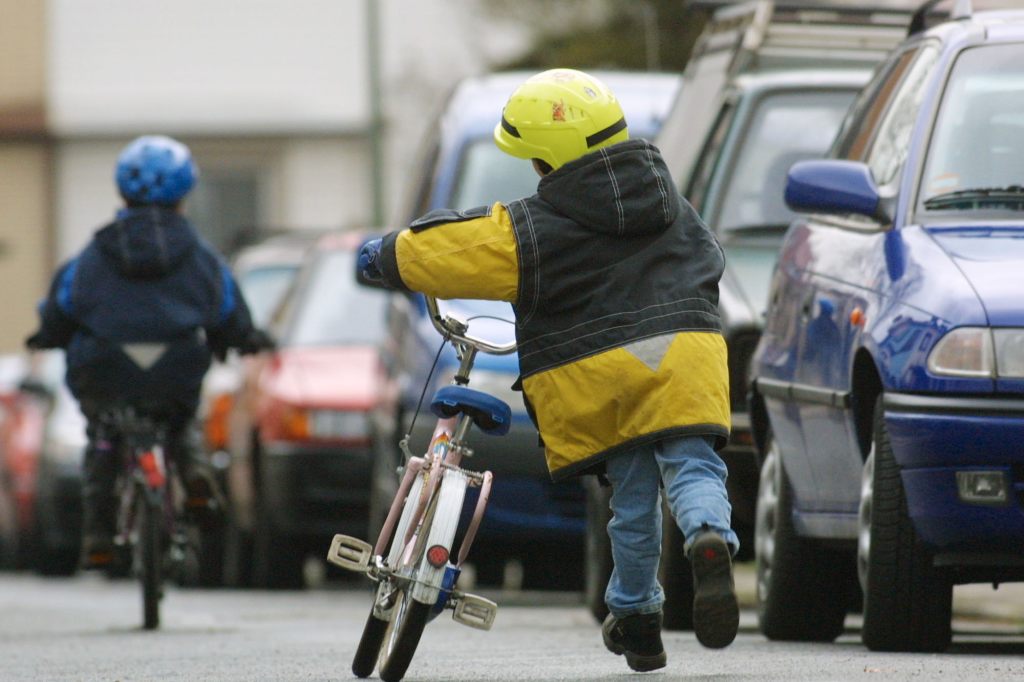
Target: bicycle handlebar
(457, 331)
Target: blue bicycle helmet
(154, 169)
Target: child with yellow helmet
(614, 282)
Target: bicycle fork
(427, 515)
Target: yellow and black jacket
(614, 282)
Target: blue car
(529, 518)
(888, 398)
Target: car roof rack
(766, 35)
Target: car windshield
(334, 309)
(487, 175)
(787, 127)
(976, 158)
(263, 288)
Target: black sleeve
(232, 326)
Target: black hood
(147, 242)
(624, 189)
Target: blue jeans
(694, 479)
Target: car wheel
(801, 587)
(597, 567)
(237, 556)
(676, 576)
(278, 560)
(907, 602)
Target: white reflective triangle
(651, 351)
(145, 355)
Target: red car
(300, 426)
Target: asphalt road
(87, 628)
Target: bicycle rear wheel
(148, 557)
(408, 618)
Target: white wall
(224, 66)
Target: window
(859, 127)
(892, 141)
(978, 141)
(487, 175)
(224, 205)
(786, 127)
(696, 193)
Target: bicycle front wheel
(408, 618)
(148, 557)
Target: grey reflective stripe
(651, 351)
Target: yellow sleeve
(473, 258)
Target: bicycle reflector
(437, 556)
(152, 469)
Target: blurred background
(302, 115)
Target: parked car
(264, 272)
(529, 518)
(300, 425)
(22, 420)
(888, 398)
(749, 107)
(57, 499)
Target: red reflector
(437, 556)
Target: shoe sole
(716, 612)
(636, 662)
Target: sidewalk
(969, 601)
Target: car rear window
(787, 127)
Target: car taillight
(216, 427)
(295, 424)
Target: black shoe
(716, 612)
(638, 637)
(203, 498)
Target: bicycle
(411, 561)
(150, 538)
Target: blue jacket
(139, 311)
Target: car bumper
(316, 491)
(932, 439)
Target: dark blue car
(529, 518)
(888, 399)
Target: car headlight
(979, 352)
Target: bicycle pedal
(350, 553)
(476, 612)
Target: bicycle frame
(420, 528)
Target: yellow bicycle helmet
(560, 115)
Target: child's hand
(369, 261)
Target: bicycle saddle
(492, 415)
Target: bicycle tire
(368, 650)
(408, 619)
(149, 554)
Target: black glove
(256, 341)
(38, 341)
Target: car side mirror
(835, 187)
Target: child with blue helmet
(139, 312)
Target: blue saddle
(492, 415)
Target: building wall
(24, 238)
(24, 170)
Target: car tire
(907, 602)
(801, 587)
(237, 556)
(597, 565)
(676, 576)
